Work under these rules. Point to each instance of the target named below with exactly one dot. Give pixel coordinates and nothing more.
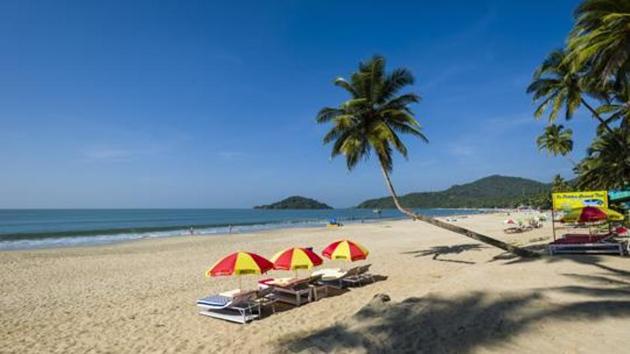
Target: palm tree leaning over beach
(373, 119)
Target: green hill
(295, 202)
(489, 192)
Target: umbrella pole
(553, 223)
(609, 227)
(239, 283)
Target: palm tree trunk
(460, 230)
(602, 122)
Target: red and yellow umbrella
(591, 214)
(296, 258)
(240, 263)
(345, 249)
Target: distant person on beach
(192, 231)
(229, 229)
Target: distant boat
(376, 211)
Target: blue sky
(212, 104)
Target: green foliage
(607, 163)
(374, 115)
(595, 65)
(295, 202)
(555, 86)
(601, 39)
(617, 109)
(556, 139)
(488, 192)
(559, 184)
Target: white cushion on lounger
(329, 274)
(231, 293)
(282, 281)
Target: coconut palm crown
(556, 140)
(555, 86)
(601, 37)
(374, 116)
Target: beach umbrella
(240, 263)
(296, 258)
(591, 214)
(345, 249)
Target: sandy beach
(448, 294)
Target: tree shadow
(330, 292)
(465, 323)
(597, 279)
(584, 259)
(540, 249)
(447, 250)
(447, 325)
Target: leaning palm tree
(601, 38)
(556, 140)
(372, 121)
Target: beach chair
(266, 298)
(296, 292)
(586, 244)
(239, 308)
(361, 277)
(335, 278)
(318, 290)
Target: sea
(47, 228)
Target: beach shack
(566, 201)
(579, 210)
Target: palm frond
(374, 117)
(326, 114)
(341, 82)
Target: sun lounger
(575, 243)
(240, 308)
(582, 238)
(337, 278)
(360, 277)
(266, 298)
(295, 292)
(517, 229)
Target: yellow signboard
(570, 200)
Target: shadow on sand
(331, 292)
(451, 325)
(473, 321)
(447, 250)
